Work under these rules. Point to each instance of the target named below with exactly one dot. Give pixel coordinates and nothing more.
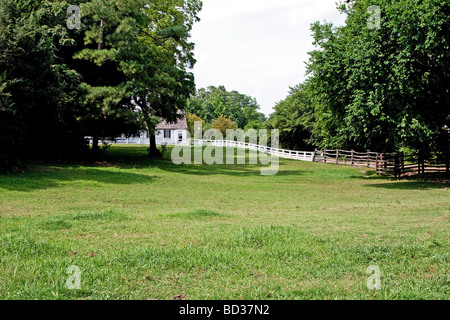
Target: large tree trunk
(154, 152)
(95, 147)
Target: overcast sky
(257, 47)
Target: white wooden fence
(139, 141)
(282, 153)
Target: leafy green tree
(212, 102)
(146, 46)
(38, 89)
(295, 118)
(191, 119)
(127, 65)
(383, 89)
(223, 123)
(254, 124)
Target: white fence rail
(133, 141)
(282, 153)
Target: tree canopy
(191, 119)
(127, 64)
(383, 88)
(295, 118)
(222, 124)
(209, 104)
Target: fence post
(314, 155)
(419, 161)
(385, 162)
(376, 163)
(447, 163)
(325, 156)
(423, 165)
(353, 161)
(337, 156)
(397, 165)
(403, 162)
(446, 153)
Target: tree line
(220, 109)
(124, 69)
(385, 88)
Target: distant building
(168, 133)
(172, 133)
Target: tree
(254, 124)
(127, 65)
(383, 89)
(191, 119)
(295, 118)
(165, 84)
(212, 102)
(147, 43)
(223, 123)
(39, 91)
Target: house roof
(181, 124)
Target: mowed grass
(148, 229)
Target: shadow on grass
(243, 170)
(45, 177)
(133, 158)
(136, 158)
(424, 182)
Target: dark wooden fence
(362, 159)
(394, 164)
(398, 164)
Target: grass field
(148, 229)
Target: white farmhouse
(172, 133)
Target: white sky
(257, 47)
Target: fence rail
(281, 153)
(398, 164)
(395, 164)
(367, 159)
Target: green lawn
(147, 229)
